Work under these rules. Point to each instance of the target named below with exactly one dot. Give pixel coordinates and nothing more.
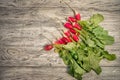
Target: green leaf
(96, 18)
(80, 54)
(78, 69)
(103, 36)
(77, 76)
(83, 60)
(94, 62)
(69, 46)
(63, 55)
(108, 56)
(97, 69)
(90, 43)
(86, 64)
(98, 43)
(86, 25)
(100, 32)
(108, 40)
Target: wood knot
(13, 51)
(8, 54)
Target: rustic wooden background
(23, 24)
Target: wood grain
(84, 4)
(30, 57)
(54, 73)
(24, 25)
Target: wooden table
(23, 25)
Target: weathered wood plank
(30, 57)
(54, 73)
(96, 4)
(60, 12)
(36, 73)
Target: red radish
(60, 42)
(71, 19)
(64, 39)
(69, 40)
(77, 16)
(68, 25)
(76, 25)
(67, 33)
(73, 31)
(75, 38)
(48, 47)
